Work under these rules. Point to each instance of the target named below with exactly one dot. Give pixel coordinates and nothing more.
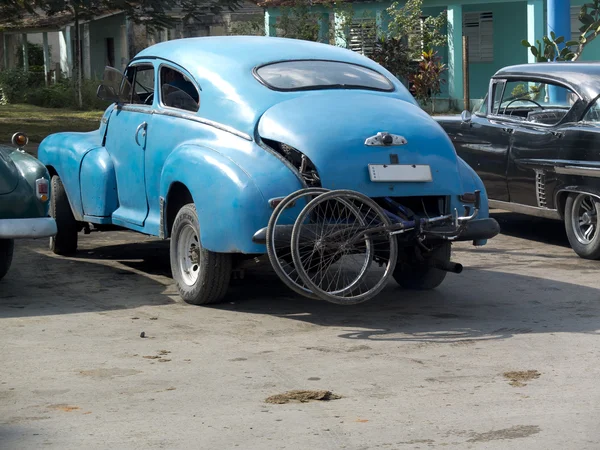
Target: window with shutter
(479, 28)
(363, 36)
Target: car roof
(582, 77)
(223, 68)
(248, 51)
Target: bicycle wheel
(335, 240)
(279, 234)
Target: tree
(407, 21)
(589, 17)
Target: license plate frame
(400, 173)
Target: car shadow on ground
(475, 305)
(482, 303)
(536, 229)
(39, 284)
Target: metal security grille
(479, 28)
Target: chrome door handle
(507, 130)
(141, 127)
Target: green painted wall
(510, 27)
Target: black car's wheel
(581, 224)
(413, 274)
(6, 255)
(65, 241)
(202, 277)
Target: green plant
(589, 17)
(299, 22)
(421, 34)
(254, 27)
(15, 83)
(394, 55)
(427, 81)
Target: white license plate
(399, 172)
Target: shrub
(64, 95)
(14, 84)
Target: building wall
(100, 30)
(510, 28)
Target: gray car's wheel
(65, 241)
(202, 277)
(581, 224)
(6, 255)
(413, 274)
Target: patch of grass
(38, 122)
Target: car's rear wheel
(65, 240)
(581, 224)
(410, 273)
(201, 276)
(6, 255)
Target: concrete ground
(414, 370)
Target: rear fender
(230, 206)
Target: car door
(538, 139)
(483, 141)
(126, 140)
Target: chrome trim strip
(208, 122)
(546, 213)
(582, 171)
(181, 115)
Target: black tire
(65, 241)
(6, 255)
(585, 248)
(410, 273)
(213, 269)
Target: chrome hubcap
(188, 254)
(585, 218)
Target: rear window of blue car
(313, 74)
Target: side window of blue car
(138, 86)
(177, 91)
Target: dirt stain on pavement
(301, 397)
(517, 379)
(64, 407)
(516, 432)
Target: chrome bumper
(38, 227)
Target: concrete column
(124, 47)
(25, 53)
(559, 18)
(46, 57)
(86, 53)
(559, 22)
(455, 55)
(535, 25)
(270, 23)
(69, 51)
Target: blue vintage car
(208, 137)
(24, 199)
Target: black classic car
(535, 143)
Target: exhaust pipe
(448, 266)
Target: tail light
(42, 189)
